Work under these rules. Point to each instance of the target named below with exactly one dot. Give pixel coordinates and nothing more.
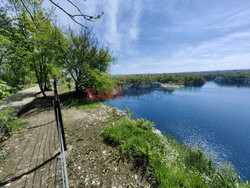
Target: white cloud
(234, 19)
(175, 36)
(119, 27)
(232, 44)
(206, 16)
(224, 53)
(120, 24)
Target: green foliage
(238, 78)
(29, 46)
(180, 79)
(87, 63)
(2, 158)
(196, 160)
(8, 124)
(144, 124)
(70, 99)
(188, 79)
(190, 167)
(213, 75)
(14, 50)
(32, 49)
(4, 89)
(46, 54)
(129, 113)
(5, 29)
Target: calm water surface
(215, 117)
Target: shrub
(8, 124)
(144, 124)
(4, 89)
(190, 167)
(195, 159)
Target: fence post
(56, 104)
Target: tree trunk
(39, 79)
(42, 90)
(77, 87)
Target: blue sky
(149, 36)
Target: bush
(4, 89)
(144, 124)
(8, 124)
(195, 159)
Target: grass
(169, 163)
(64, 86)
(69, 99)
(3, 157)
(3, 177)
(8, 124)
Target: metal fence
(60, 129)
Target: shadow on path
(30, 171)
(41, 125)
(33, 156)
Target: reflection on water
(145, 94)
(139, 92)
(192, 89)
(214, 117)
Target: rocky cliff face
(145, 85)
(233, 80)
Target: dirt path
(18, 100)
(32, 156)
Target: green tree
(5, 29)
(41, 38)
(87, 62)
(14, 50)
(46, 55)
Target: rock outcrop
(233, 80)
(145, 85)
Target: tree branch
(31, 16)
(72, 16)
(86, 17)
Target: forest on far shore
(187, 79)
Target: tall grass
(169, 163)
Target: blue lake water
(215, 117)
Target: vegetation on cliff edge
(165, 161)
